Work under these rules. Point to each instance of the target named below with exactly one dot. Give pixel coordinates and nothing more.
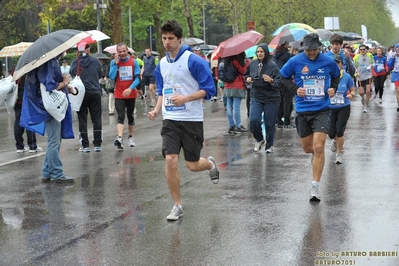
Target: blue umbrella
(251, 52)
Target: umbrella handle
(76, 93)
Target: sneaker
(131, 142)
(338, 158)
(86, 149)
(152, 103)
(258, 145)
(241, 129)
(97, 149)
(64, 179)
(314, 193)
(81, 149)
(22, 150)
(232, 130)
(135, 110)
(333, 146)
(37, 149)
(280, 126)
(119, 143)
(214, 173)
(270, 150)
(175, 214)
(289, 126)
(365, 109)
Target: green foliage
(25, 20)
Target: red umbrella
(95, 36)
(237, 44)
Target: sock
(213, 166)
(315, 183)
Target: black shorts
(364, 83)
(182, 134)
(147, 80)
(311, 122)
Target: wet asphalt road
(258, 214)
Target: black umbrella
(100, 56)
(46, 48)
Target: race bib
(338, 99)
(126, 73)
(314, 90)
(168, 93)
(380, 67)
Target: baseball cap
(197, 48)
(338, 58)
(83, 46)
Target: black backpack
(226, 70)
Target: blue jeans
(52, 165)
(270, 111)
(233, 111)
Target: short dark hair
(120, 45)
(336, 38)
(172, 26)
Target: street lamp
(97, 7)
(203, 19)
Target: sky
(395, 12)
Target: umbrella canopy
(100, 56)
(293, 26)
(191, 41)
(112, 49)
(349, 36)
(251, 52)
(324, 34)
(46, 48)
(207, 47)
(95, 36)
(15, 50)
(237, 44)
(288, 36)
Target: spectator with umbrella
(40, 62)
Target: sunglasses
(362, 49)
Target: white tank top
(178, 80)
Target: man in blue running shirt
(316, 78)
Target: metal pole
(99, 48)
(203, 19)
(151, 38)
(130, 28)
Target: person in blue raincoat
(34, 116)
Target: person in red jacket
(234, 92)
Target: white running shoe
(131, 142)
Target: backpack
(226, 70)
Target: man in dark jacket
(264, 75)
(281, 56)
(18, 130)
(89, 70)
